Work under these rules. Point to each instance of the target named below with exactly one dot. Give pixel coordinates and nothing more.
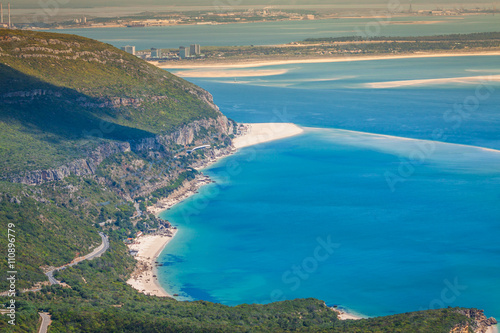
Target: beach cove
(147, 248)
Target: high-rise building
(195, 49)
(155, 53)
(2, 23)
(184, 52)
(129, 49)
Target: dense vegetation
(100, 301)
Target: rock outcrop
(186, 135)
(79, 167)
(480, 323)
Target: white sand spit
(265, 132)
(424, 82)
(232, 73)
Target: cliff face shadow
(40, 107)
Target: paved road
(45, 322)
(98, 251)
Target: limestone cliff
(161, 144)
(69, 103)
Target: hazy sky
(121, 3)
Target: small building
(129, 49)
(155, 53)
(184, 52)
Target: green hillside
(61, 94)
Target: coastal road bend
(46, 321)
(97, 252)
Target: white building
(155, 53)
(129, 49)
(184, 52)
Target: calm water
(413, 224)
(410, 224)
(284, 32)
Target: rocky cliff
(68, 103)
(480, 323)
(161, 144)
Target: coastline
(252, 134)
(492, 329)
(144, 278)
(246, 63)
(149, 247)
(345, 315)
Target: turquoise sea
(363, 210)
(412, 224)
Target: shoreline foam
(149, 247)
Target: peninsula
(317, 50)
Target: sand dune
(424, 82)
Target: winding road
(98, 251)
(45, 322)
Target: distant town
(185, 52)
(219, 16)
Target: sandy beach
(149, 247)
(492, 329)
(260, 63)
(344, 315)
(408, 83)
(265, 132)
